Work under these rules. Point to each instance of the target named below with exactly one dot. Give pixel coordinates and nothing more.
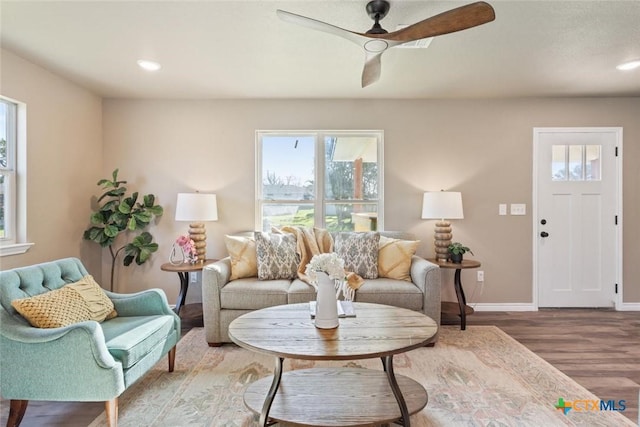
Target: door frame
(618, 196)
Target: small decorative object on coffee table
(334, 396)
(326, 272)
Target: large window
(324, 179)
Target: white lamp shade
(442, 205)
(196, 207)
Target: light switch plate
(518, 209)
(502, 209)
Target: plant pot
(326, 305)
(455, 258)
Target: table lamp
(442, 205)
(197, 208)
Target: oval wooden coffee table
(334, 396)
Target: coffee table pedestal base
(336, 397)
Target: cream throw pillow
(73, 303)
(394, 258)
(244, 261)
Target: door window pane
(576, 163)
(592, 163)
(559, 162)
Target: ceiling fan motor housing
(377, 9)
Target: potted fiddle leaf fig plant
(456, 252)
(119, 216)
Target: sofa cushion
(359, 250)
(253, 294)
(300, 291)
(277, 256)
(129, 339)
(394, 258)
(76, 302)
(398, 293)
(242, 252)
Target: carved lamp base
(198, 234)
(443, 237)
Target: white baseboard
(504, 307)
(630, 306)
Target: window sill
(15, 249)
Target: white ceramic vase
(326, 306)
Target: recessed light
(629, 65)
(148, 65)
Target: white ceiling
(240, 49)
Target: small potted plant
(456, 251)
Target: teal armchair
(86, 361)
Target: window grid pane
(576, 163)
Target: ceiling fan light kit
(377, 40)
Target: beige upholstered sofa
(224, 299)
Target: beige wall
(482, 148)
(64, 161)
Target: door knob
(544, 234)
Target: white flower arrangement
(328, 263)
(334, 267)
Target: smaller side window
(13, 232)
(8, 127)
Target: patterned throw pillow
(394, 258)
(359, 250)
(277, 256)
(73, 303)
(244, 261)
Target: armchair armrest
(146, 303)
(426, 275)
(151, 302)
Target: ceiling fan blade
(314, 24)
(372, 68)
(457, 19)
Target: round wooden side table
(183, 271)
(461, 308)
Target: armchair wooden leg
(16, 412)
(172, 358)
(111, 408)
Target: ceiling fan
(377, 40)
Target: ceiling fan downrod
(377, 10)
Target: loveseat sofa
(225, 299)
(84, 360)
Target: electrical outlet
(480, 276)
(502, 209)
(518, 209)
(194, 277)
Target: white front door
(576, 216)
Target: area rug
(477, 377)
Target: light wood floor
(599, 349)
